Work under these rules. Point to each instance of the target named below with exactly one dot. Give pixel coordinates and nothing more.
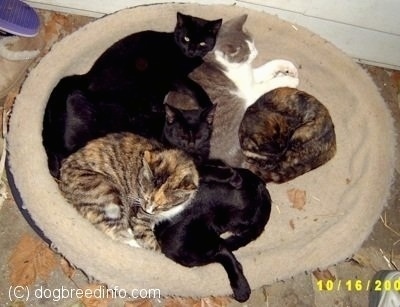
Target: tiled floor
(380, 251)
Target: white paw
(127, 237)
(273, 69)
(132, 243)
(285, 68)
(112, 211)
(284, 81)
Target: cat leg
(140, 235)
(260, 89)
(239, 284)
(114, 226)
(143, 233)
(236, 241)
(127, 237)
(273, 69)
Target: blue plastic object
(17, 17)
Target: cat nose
(191, 53)
(191, 139)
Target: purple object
(16, 17)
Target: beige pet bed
(343, 198)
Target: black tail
(239, 284)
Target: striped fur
(124, 184)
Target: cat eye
(186, 39)
(202, 44)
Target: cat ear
(170, 114)
(236, 23)
(147, 156)
(241, 20)
(180, 19)
(190, 182)
(215, 25)
(209, 114)
(145, 171)
(236, 180)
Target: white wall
(367, 30)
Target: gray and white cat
(233, 84)
(125, 184)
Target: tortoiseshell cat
(125, 184)
(286, 133)
(125, 88)
(228, 200)
(189, 115)
(233, 84)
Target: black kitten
(228, 200)
(189, 115)
(125, 87)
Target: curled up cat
(229, 200)
(286, 133)
(125, 184)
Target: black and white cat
(125, 88)
(228, 200)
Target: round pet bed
(343, 198)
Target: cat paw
(285, 68)
(126, 237)
(150, 242)
(132, 243)
(275, 69)
(267, 86)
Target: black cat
(125, 88)
(189, 115)
(228, 200)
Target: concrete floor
(380, 251)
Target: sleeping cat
(231, 82)
(125, 87)
(228, 200)
(125, 184)
(189, 115)
(285, 134)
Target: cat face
(196, 36)
(234, 45)
(189, 130)
(168, 180)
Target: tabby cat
(125, 88)
(233, 84)
(228, 200)
(286, 133)
(125, 184)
